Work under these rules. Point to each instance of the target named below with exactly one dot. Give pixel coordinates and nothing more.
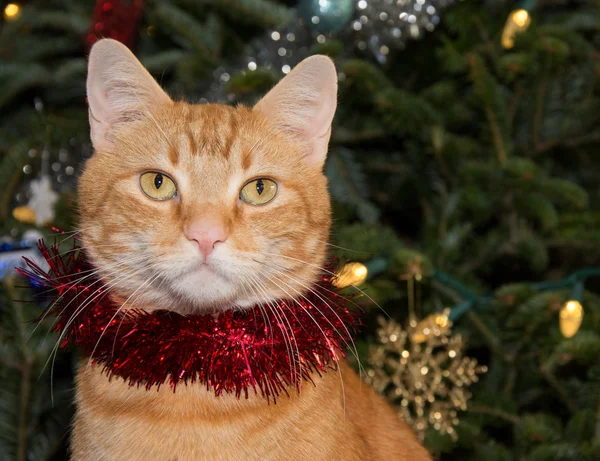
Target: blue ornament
(12, 254)
(326, 16)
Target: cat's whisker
(70, 276)
(106, 287)
(261, 308)
(341, 248)
(281, 324)
(293, 298)
(268, 304)
(325, 242)
(78, 281)
(319, 327)
(277, 309)
(351, 345)
(98, 294)
(69, 235)
(92, 272)
(111, 245)
(291, 330)
(64, 233)
(284, 270)
(287, 270)
(330, 273)
(293, 313)
(103, 290)
(49, 308)
(148, 281)
(72, 236)
(133, 301)
(258, 297)
(52, 356)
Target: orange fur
(273, 251)
(324, 422)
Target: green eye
(158, 186)
(259, 191)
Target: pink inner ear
(320, 124)
(304, 103)
(119, 89)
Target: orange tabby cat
(171, 218)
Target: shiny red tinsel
(116, 19)
(233, 352)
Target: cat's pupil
(260, 186)
(158, 180)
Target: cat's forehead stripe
(247, 160)
(192, 141)
(173, 154)
(226, 151)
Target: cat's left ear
(119, 91)
(303, 104)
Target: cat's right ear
(119, 91)
(303, 104)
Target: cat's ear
(303, 104)
(119, 90)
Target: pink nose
(206, 234)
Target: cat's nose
(206, 234)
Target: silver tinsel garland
(377, 27)
(383, 25)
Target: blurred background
(465, 174)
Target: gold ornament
(24, 214)
(11, 11)
(436, 324)
(426, 376)
(518, 21)
(571, 315)
(351, 274)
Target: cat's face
(205, 207)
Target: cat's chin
(206, 290)
(201, 290)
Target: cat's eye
(158, 186)
(259, 191)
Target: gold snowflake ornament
(423, 372)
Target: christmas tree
(465, 191)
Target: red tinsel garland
(116, 19)
(232, 352)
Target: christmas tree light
(11, 11)
(571, 314)
(353, 273)
(518, 21)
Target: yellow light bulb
(518, 21)
(570, 317)
(521, 18)
(360, 271)
(351, 274)
(442, 320)
(11, 11)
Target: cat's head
(204, 207)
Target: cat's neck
(191, 400)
